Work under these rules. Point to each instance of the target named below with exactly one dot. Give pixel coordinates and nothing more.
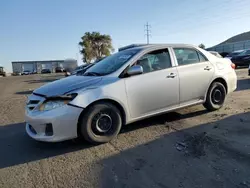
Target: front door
(195, 74)
(157, 89)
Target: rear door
(195, 74)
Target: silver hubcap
(103, 123)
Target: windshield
(234, 54)
(111, 63)
(246, 52)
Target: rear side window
(186, 56)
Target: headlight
(49, 105)
(56, 102)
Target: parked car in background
(26, 72)
(125, 87)
(2, 72)
(216, 54)
(224, 54)
(16, 74)
(81, 69)
(235, 53)
(46, 71)
(243, 59)
(59, 69)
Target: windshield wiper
(92, 74)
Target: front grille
(34, 101)
(31, 108)
(32, 104)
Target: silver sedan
(125, 87)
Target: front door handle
(171, 75)
(207, 68)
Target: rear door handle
(207, 68)
(171, 75)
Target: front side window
(155, 60)
(111, 63)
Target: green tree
(202, 46)
(95, 46)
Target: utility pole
(147, 28)
(78, 54)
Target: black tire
(216, 96)
(100, 123)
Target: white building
(38, 66)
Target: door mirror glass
(135, 70)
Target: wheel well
(115, 103)
(221, 80)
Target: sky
(51, 29)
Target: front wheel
(100, 123)
(215, 97)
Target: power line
(148, 31)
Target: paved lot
(187, 148)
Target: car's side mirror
(135, 70)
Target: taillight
(233, 65)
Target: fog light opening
(32, 129)
(48, 129)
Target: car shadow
(162, 119)
(18, 148)
(24, 92)
(201, 156)
(40, 81)
(243, 84)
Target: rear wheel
(215, 97)
(100, 123)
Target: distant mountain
(237, 38)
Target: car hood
(239, 57)
(66, 85)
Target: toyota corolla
(128, 86)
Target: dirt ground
(188, 148)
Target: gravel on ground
(187, 148)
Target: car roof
(148, 46)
